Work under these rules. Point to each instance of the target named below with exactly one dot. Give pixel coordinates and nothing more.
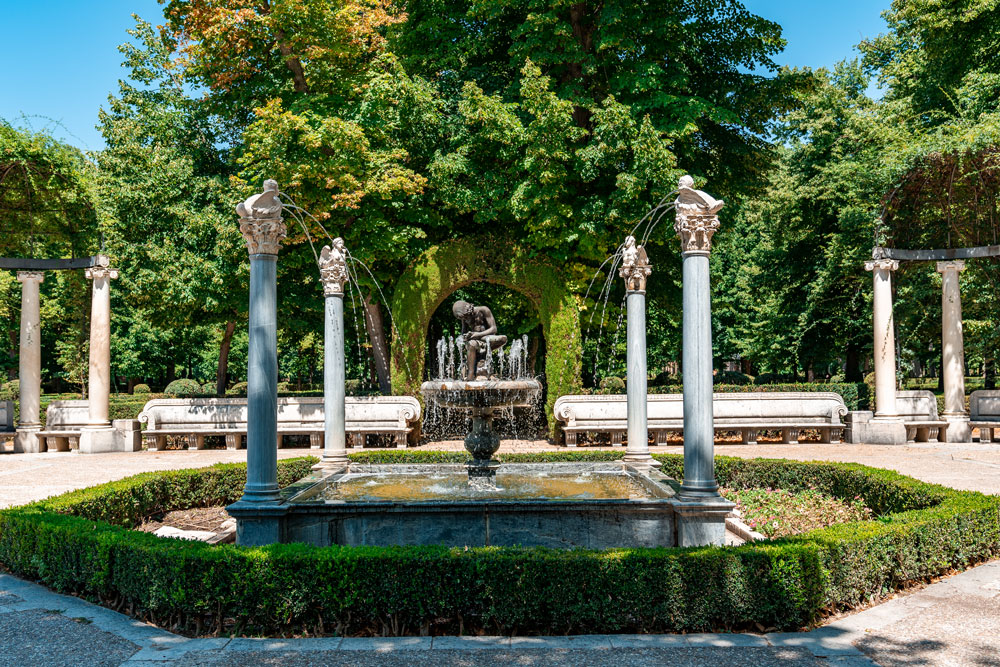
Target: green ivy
(450, 266)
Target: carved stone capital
(260, 221)
(697, 217)
(333, 268)
(951, 265)
(96, 272)
(635, 266)
(881, 265)
(25, 276)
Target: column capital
(635, 266)
(697, 217)
(951, 265)
(333, 268)
(881, 265)
(260, 221)
(97, 272)
(25, 276)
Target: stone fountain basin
(626, 507)
(481, 393)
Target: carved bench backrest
(984, 405)
(173, 413)
(820, 407)
(6, 415)
(67, 415)
(917, 404)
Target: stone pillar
(98, 435)
(333, 273)
(635, 269)
(701, 511)
(263, 228)
(953, 353)
(29, 363)
(886, 426)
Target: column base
(863, 428)
(332, 463)
(701, 522)
(958, 429)
(258, 524)
(26, 439)
(98, 440)
(641, 459)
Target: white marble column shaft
(333, 274)
(99, 380)
(953, 352)
(884, 338)
(29, 362)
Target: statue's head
(463, 310)
(629, 241)
(685, 182)
(338, 243)
(270, 185)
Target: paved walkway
(952, 622)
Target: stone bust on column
(334, 275)
(635, 269)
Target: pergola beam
(942, 255)
(24, 264)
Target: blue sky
(61, 59)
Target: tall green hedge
(441, 270)
(80, 543)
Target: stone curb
(835, 641)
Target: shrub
(238, 389)
(141, 389)
(732, 377)
(184, 387)
(208, 388)
(612, 385)
(79, 543)
(773, 378)
(10, 391)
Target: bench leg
(233, 441)
(616, 438)
(790, 436)
(985, 435)
(661, 438)
(281, 441)
(196, 441)
(156, 442)
(824, 435)
(357, 440)
(911, 433)
(401, 440)
(315, 441)
(571, 438)
(923, 434)
(750, 435)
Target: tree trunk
(380, 349)
(222, 371)
(990, 373)
(852, 370)
(15, 344)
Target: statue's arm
(491, 324)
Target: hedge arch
(444, 268)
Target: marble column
(635, 269)
(98, 435)
(333, 273)
(953, 353)
(884, 337)
(29, 363)
(263, 229)
(701, 510)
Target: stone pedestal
(861, 427)
(333, 273)
(635, 269)
(884, 352)
(953, 353)
(29, 363)
(263, 228)
(701, 522)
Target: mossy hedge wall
(441, 270)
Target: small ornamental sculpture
(697, 217)
(333, 268)
(260, 221)
(880, 260)
(635, 266)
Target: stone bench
(197, 418)
(918, 408)
(6, 416)
(748, 413)
(65, 419)
(984, 413)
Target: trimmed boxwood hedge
(80, 543)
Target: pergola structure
(98, 434)
(887, 423)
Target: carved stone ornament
(880, 261)
(24, 276)
(635, 266)
(333, 268)
(97, 272)
(951, 265)
(260, 221)
(697, 217)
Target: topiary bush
(732, 377)
(80, 543)
(238, 389)
(773, 378)
(141, 389)
(183, 388)
(208, 388)
(612, 385)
